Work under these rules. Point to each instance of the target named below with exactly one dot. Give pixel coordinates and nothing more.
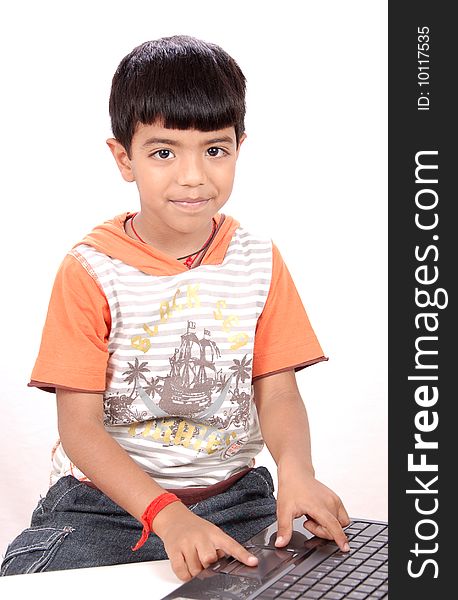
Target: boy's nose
(191, 172)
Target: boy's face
(184, 176)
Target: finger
(284, 529)
(317, 529)
(233, 548)
(329, 528)
(179, 567)
(220, 553)
(193, 561)
(207, 555)
(343, 517)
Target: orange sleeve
(73, 352)
(284, 338)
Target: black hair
(183, 82)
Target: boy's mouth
(190, 203)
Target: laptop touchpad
(269, 559)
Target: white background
(312, 175)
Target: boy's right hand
(192, 543)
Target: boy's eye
(163, 154)
(214, 151)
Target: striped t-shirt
(174, 351)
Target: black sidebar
(423, 360)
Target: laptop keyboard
(359, 574)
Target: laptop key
(345, 569)
(333, 596)
(308, 581)
(366, 569)
(367, 589)
(324, 567)
(271, 593)
(322, 587)
(304, 569)
(290, 578)
(298, 587)
(333, 560)
(363, 538)
(373, 529)
(330, 580)
(354, 562)
(350, 532)
(362, 555)
(341, 574)
(376, 594)
(290, 594)
(281, 585)
(308, 594)
(351, 582)
(358, 525)
(374, 562)
(343, 589)
(358, 575)
(373, 581)
(355, 544)
(379, 575)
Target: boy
(171, 342)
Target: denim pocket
(33, 550)
(265, 476)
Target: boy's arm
(285, 429)
(191, 543)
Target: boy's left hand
(305, 495)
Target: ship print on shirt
(194, 391)
(193, 377)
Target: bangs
(190, 97)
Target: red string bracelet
(150, 513)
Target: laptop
(308, 567)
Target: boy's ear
(241, 140)
(122, 159)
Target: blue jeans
(77, 526)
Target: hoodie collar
(111, 239)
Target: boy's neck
(173, 243)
